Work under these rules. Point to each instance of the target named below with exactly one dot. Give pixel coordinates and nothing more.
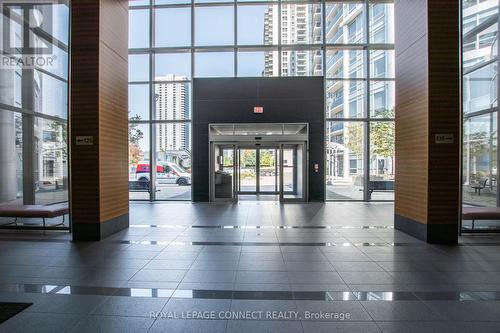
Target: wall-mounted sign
(258, 109)
(444, 138)
(84, 140)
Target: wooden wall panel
(427, 103)
(113, 110)
(99, 108)
(411, 110)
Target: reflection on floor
(353, 192)
(259, 197)
(251, 267)
(165, 192)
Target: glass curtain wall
(480, 47)
(349, 43)
(34, 102)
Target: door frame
(305, 172)
(212, 170)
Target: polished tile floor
(252, 267)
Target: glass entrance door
(293, 172)
(268, 170)
(258, 170)
(225, 168)
(247, 170)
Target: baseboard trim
(98, 231)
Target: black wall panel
(231, 100)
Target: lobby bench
(479, 213)
(34, 211)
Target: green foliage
(134, 133)
(247, 158)
(266, 158)
(382, 138)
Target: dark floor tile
(467, 310)
(110, 324)
(40, 322)
(77, 304)
(191, 326)
(341, 327)
(130, 306)
(252, 326)
(400, 310)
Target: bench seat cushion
(481, 213)
(39, 211)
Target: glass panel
(11, 86)
(344, 160)
(173, 158)
(138, 101)
(248, 170)
(382, 161)
(172, 101)
(480, 32)
(139, 166)
(345, 99)
(58, 17)
(171, 2)
(300, 24)
(138, 32)
(345, 23)
(224, 172)
(293, 171)
(172, 27)
(294, 129)
(382, 99)
(214, 25)
(138, 67)
(382, 64)
(257, 0)
(257, 63)
(345, 64)
(258, 130)
(268, 173)
(133, 3)
(50, 161)
(51, 95)
(289, 164)
(59, 66)
(177, 65)
(480, 89)
(11, 158)
(301, 63)
(211, 1)
(222, 129)
(381, 23)
(257, 25)
(214, 64)
(480, 160)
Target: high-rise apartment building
(172, 103)
(300, 24)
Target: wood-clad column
(428, 119)
(99, 118)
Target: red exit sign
(258, 109)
